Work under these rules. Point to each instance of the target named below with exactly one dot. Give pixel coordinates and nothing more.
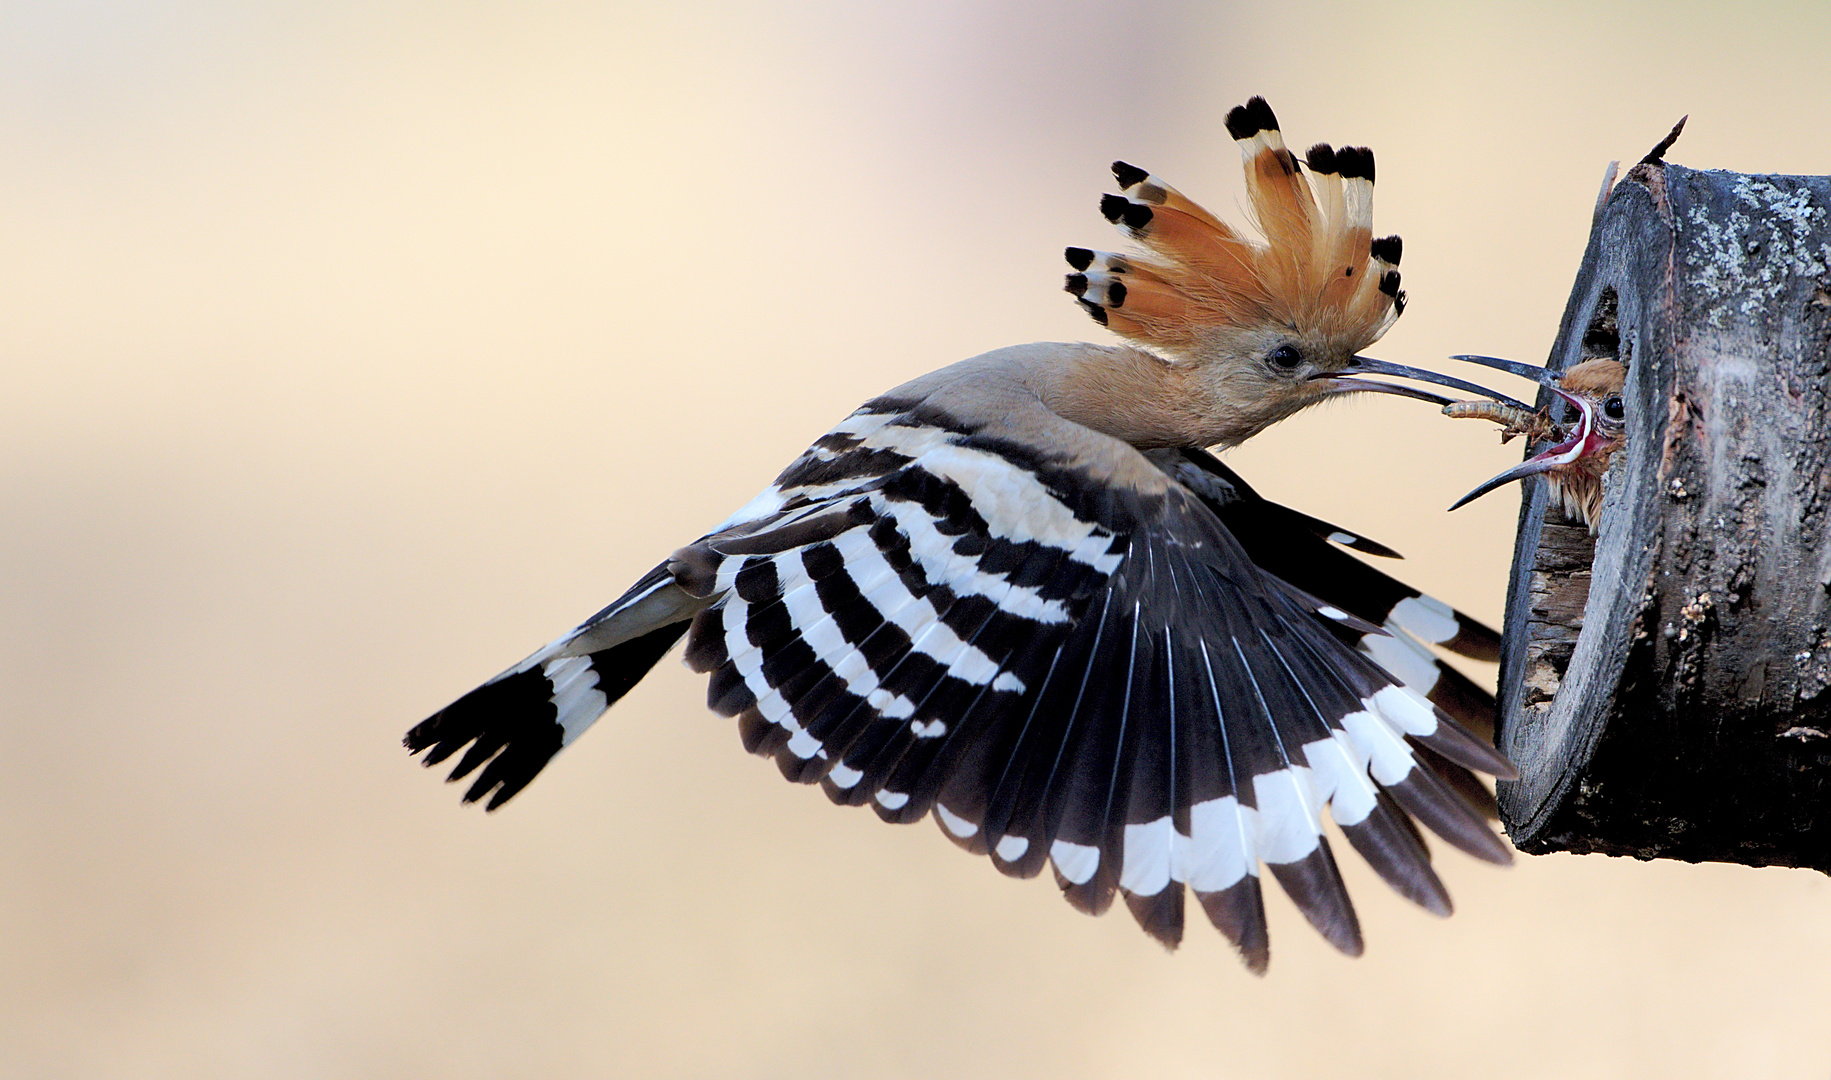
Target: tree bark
(1663, 686)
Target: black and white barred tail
(516, 722)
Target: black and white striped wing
(1069, 670)
(1307, 552)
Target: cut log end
(1664, 687)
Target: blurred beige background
(352, 350)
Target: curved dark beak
(1583, 441)
(1343, 382)
(1531, 372)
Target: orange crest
(1315, 270)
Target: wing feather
(1097, 676)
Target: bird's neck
(1578, 487)
(1127, 393)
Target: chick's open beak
(1584, 440)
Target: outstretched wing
(1068, 660)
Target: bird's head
(1263, 325)
(1580, 450)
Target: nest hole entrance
(1562, 566)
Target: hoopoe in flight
(1574, 465)
(1020, 596)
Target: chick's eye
(1285, 356)
(1613, 409)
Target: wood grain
(1663, 691)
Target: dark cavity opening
(1602, 338)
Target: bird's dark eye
(1612, 407)
(1285, 356)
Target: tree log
(1663, 685)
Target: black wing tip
(1441, 809)
(1364, 545)
(1079, 257)
(1091, 897)
(1392, 847)
(1474, 639)
(1160, 914)
(1238, 912)
(1314, 884)
(1388, 249)
(1462, 746)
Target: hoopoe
(1019, 595)
(1574, 465)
